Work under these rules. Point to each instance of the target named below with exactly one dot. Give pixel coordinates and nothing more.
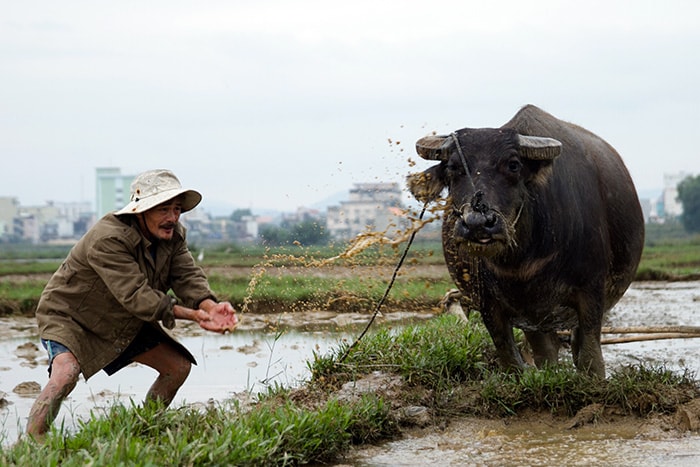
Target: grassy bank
(262, 277)
(672, 259)
(444, 365)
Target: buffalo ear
(539, 148)
(428, 185)
(434, 148)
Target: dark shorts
(145, 340)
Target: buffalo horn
(434, 148)
(539, 147)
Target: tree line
(689, 196)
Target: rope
(388, 289)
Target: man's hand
(217, 317)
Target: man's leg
(173, 369)
(64, 376)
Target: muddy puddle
(478, 442)
(269, 349)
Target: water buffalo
(542, 229)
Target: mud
(534, 441)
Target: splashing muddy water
(356, 246)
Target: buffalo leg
(503, 339)
(545, 347)
(585, 348)
(585, 338)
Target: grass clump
(556, 388)
(643, 390)
(633, 390)
(437, 354)
(455, 364)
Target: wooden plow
(451, 305)
(645, 333)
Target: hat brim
(190, 200)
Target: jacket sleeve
(114, 260)
(187, 279)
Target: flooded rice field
(273, 349)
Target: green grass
(20, 297)
(671, 259)
(446, 365)
(664, 258)
(351, 294)
(265, 292)
(21, 290)
(444, 352)
(28, 251)
(254, 255)
(275, 432)
(669, 253)
(637, 390)
(28, 267)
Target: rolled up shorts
(53, 348)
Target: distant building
(646, 205)
(667, 206)
(25, 228)
(671, 205)
(9, 207)
(112, 189)
(57, 222)
(53, 222)
(50, 222)
(371, 206)
(300, 215)
(202, 228)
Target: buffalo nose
(478, 226)
(477, 220)
(490, 220)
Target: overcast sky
(279, 104)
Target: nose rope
(520, 211)
(465, 164)
(387, 290)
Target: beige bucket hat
(154, 187)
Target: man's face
(161, 220)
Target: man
(101, 309)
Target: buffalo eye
(454, 168)
(514, 166)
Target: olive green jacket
(110, 285)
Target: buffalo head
(489, 174)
